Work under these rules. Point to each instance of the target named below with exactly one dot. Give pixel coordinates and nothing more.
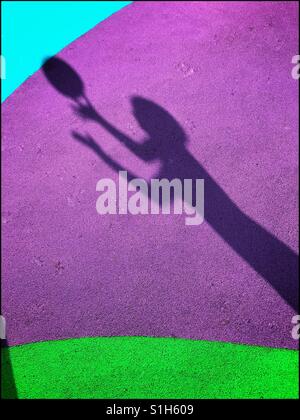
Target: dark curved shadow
(165, 140)
(8, 385)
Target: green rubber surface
(144, 367)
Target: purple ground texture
(223, 72)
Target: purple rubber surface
(223, 71)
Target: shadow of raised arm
(89, 113)
(88, 141)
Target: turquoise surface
(33, 30)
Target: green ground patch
(143, 367)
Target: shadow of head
(161, 127)
(63, 78)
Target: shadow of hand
(86, 112)
(87, 140)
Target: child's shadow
(166, 141)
